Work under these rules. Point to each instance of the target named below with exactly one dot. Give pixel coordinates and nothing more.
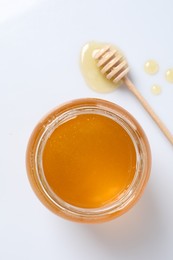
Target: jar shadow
(142, 226)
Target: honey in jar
(88, 160)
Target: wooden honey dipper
(115, 67)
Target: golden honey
(151, 67)
(169, 75)
(91, 73)
(156, 89)
(88, 160)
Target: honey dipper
(115, 67)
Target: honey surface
(89, 160)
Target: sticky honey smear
(91, 73)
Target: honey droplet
(156, 89)
(169, 75)
(151, 67)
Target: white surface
(40, 42)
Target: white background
(40, 42)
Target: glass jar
(56, 118)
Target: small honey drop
(169, 75)
(91, 73)
(156, 89)
(151, 67)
